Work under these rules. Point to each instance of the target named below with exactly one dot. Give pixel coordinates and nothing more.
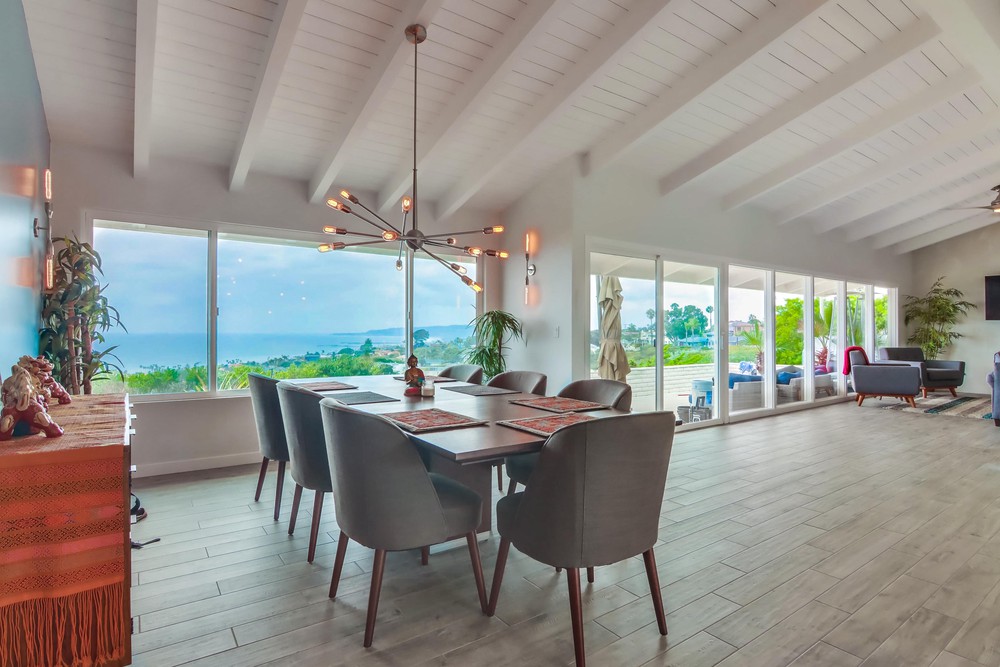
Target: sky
(159, 283)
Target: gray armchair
(934, 374)
(270, 432)
(526, 382)
(387, 501)
(594, 499)
(995, 388)
(470, 373)
(897, 380)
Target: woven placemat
(421, 421)
(546, 426)
(359, 397)
(332, 385)
(481, 390)
(559, 404)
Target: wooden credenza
(64, 540)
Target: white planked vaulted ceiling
(869, 119)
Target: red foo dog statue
(23, 403)
(41, 369)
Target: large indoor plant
(75, 315)
(936, 314)
(493, 330)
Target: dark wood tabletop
(467, 445)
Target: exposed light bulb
(503, 254)
(348, 196)
(407, 204)
(50, 269)
(390, 236)
(340, 206)
(329, 229)
(324, 247)
(327, 247)
(48, 185)
(472, 283)
(459, 268)
(474, 251)
(495, 229)
(527, 244)
(451, 240)
(399, 265)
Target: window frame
(92, 219)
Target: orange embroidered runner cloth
(63, 536)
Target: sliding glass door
(689, 340)
(747, 331)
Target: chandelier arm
(444, 263)
(363, 234)
(384, 221)
(438, 244)
(351, 245)
(446, 234)
(373, 223)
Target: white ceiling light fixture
(410, 237)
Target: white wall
(569, 212)
(965, 261)
(192, 434)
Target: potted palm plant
(493, 330)
(75, 315)
(936, 314)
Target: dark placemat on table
(481, 390)
(359, 397)
(546, 426)
(333, 385)
(559, 404)
(421, 421)
(428, 377)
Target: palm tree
(755, 339)
(823, 328)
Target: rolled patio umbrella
(612, 362)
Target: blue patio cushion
(740, 377)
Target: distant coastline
(139, 351)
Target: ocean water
(138, 351)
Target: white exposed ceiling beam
(845, 78)
(964, 227)
(279, 44)
(942, 175)
(145, 50)
(384, 72)
(707, 76)
(531, 23)
(975, 33)
(917, 228)
(922, 101)
(566, 91)
(914, 155)
(921, 206)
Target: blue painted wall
(24, 155)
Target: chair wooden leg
(576, 613)
(279, 489)
(911, 401)
(338, 564)
(511, 487)
(477, 569)
(590, 575)
(654, 590)
(924, 389)
(260, 479)
(425, 555)
(373, 596)
(502, 551)
(296, 498)
(953, 392)
(861, 399)
(314, 533)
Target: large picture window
(273, 306)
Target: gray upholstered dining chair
(307, 452)
(526, 382)
(270, 432)
(387, 501)
(470, 373)
(617, 395)
(594, 500)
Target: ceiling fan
(994, 205)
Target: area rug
(974, 407)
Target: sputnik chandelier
(411, 237)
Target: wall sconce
(49, 273)
(529, 268)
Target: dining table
(466, 454)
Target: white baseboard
(188, 465)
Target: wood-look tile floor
(836, 536)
